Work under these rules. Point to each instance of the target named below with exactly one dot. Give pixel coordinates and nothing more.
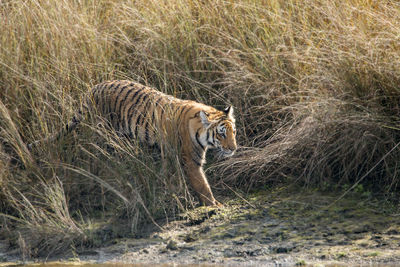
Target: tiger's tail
(71, 126)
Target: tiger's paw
(217, 204)
(213, 203)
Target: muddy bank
(275, 227)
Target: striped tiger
(151, 116)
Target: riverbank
(270, 227)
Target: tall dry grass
(315, 86)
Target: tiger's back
(139, 111)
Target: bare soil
(277, 228)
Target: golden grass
(315, 86)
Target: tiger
(144, 113)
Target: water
(77, 264)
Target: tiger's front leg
(198, 181)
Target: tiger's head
(220, 131)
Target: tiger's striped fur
(151, 116)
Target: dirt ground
(273, 228)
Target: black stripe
(145, 101)
(130, 111)
(123, 100)
(198, 141)
(105, 85)
(131, 90)
(197, 163)
(111, 85)
(197, 152)
(142, 114)
(96, 97)
(133, 98)
(107, 97)
(114, 104)
(162, 113)
(152, 116)
(187, 110)
(100, 104)
(112, 120)
(155, 106)
(146, 127)
(213, 138)
(103, 103)
(100, 87)
(176, 107)
(103, 106)
(180, 114)
(146, 131)
(136, 125)
(163, 107)
(146, 96)
(147, 106)
(182, 108)
(140, 95)
(152, 113)
(208, 115)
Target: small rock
(376, 237)
(282, 249)
(229, 253)
(362, 229)
(392, 232)
(301, 263)
(205, 229)
(188, 248)
(172, 245)
(157, 236)
(238, 242)
(191, 237)
(381, 244)
(327, 234)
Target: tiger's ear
(229, 112)
(204, 119)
